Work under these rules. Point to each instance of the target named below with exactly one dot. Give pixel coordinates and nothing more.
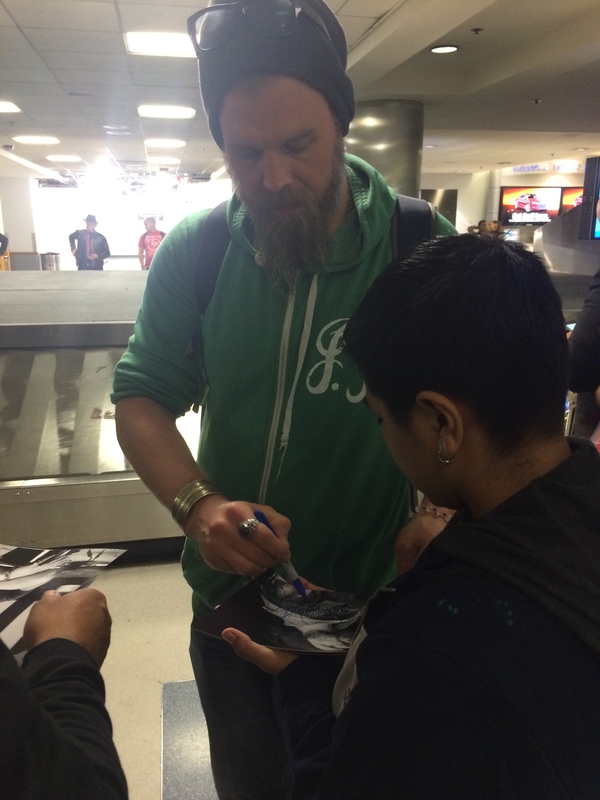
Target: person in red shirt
(149, 242)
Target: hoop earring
(441, 451)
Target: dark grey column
(388, 134)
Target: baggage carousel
(64, 480)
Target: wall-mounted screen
(529, 205)
(572, 196)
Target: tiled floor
(151, 612)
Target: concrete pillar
(388, 134)
(18, 218)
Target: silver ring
(247, 527)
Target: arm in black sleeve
(3, 244)
(584, 343)
(73, 239)
(55, 733)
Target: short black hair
(476, 319)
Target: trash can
(50, 261)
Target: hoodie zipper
(283, 348)
(289, 407)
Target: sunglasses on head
(211, 27)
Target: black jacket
(480, 675)
(78, 240)
(55, 733)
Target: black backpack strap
(413, 222)
(212, 246)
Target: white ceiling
(64, 63)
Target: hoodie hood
(360, 234)
(544, 540)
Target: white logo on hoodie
(328, 345)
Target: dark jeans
(258, 752)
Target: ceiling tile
(13, 74)
(98, 62)
(371, 8)
(89, 77)
(171, 18)
(82, 15)
(79, 42)
(355, 27)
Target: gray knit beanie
(306, 55)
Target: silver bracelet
(433, 511)
(188, 496)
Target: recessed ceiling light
(115, 127)
(163, 160)
(429, 146)
(8, 108)
(380, 146)
(167, 143)
(582, 148)
(155, 43)
(167, 112)
(370, 122)
(120, 132)
(445, 48)
(64, 159)
(36, 139)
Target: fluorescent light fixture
(64, 159)
(370, 122)
(166, 143)
(118, 132)
(116, 127)
(429, 146)
(380, 146)
(156, 43)
(446, 48)
(8, 108)
(36, 139)
(167, 112)
(163, 161)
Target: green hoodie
(283, 422)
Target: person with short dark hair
(149, 241)
(55, 733)
(479, 676)
(89, 247)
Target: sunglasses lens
(214, 29)
(271, 18)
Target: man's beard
(289, 245)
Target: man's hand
(414, 536)
(271, 661)
(80, 616)
(93, 256)
(73, 251)
(213, 522)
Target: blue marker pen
(290, 572)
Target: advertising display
(572, 196)
(529, 205)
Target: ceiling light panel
(164, 143)
(36, 139)
(154, 43)
(166, 112)
(64, 159)
(6, 107)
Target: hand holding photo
(271, 613)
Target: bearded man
(284, 426)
